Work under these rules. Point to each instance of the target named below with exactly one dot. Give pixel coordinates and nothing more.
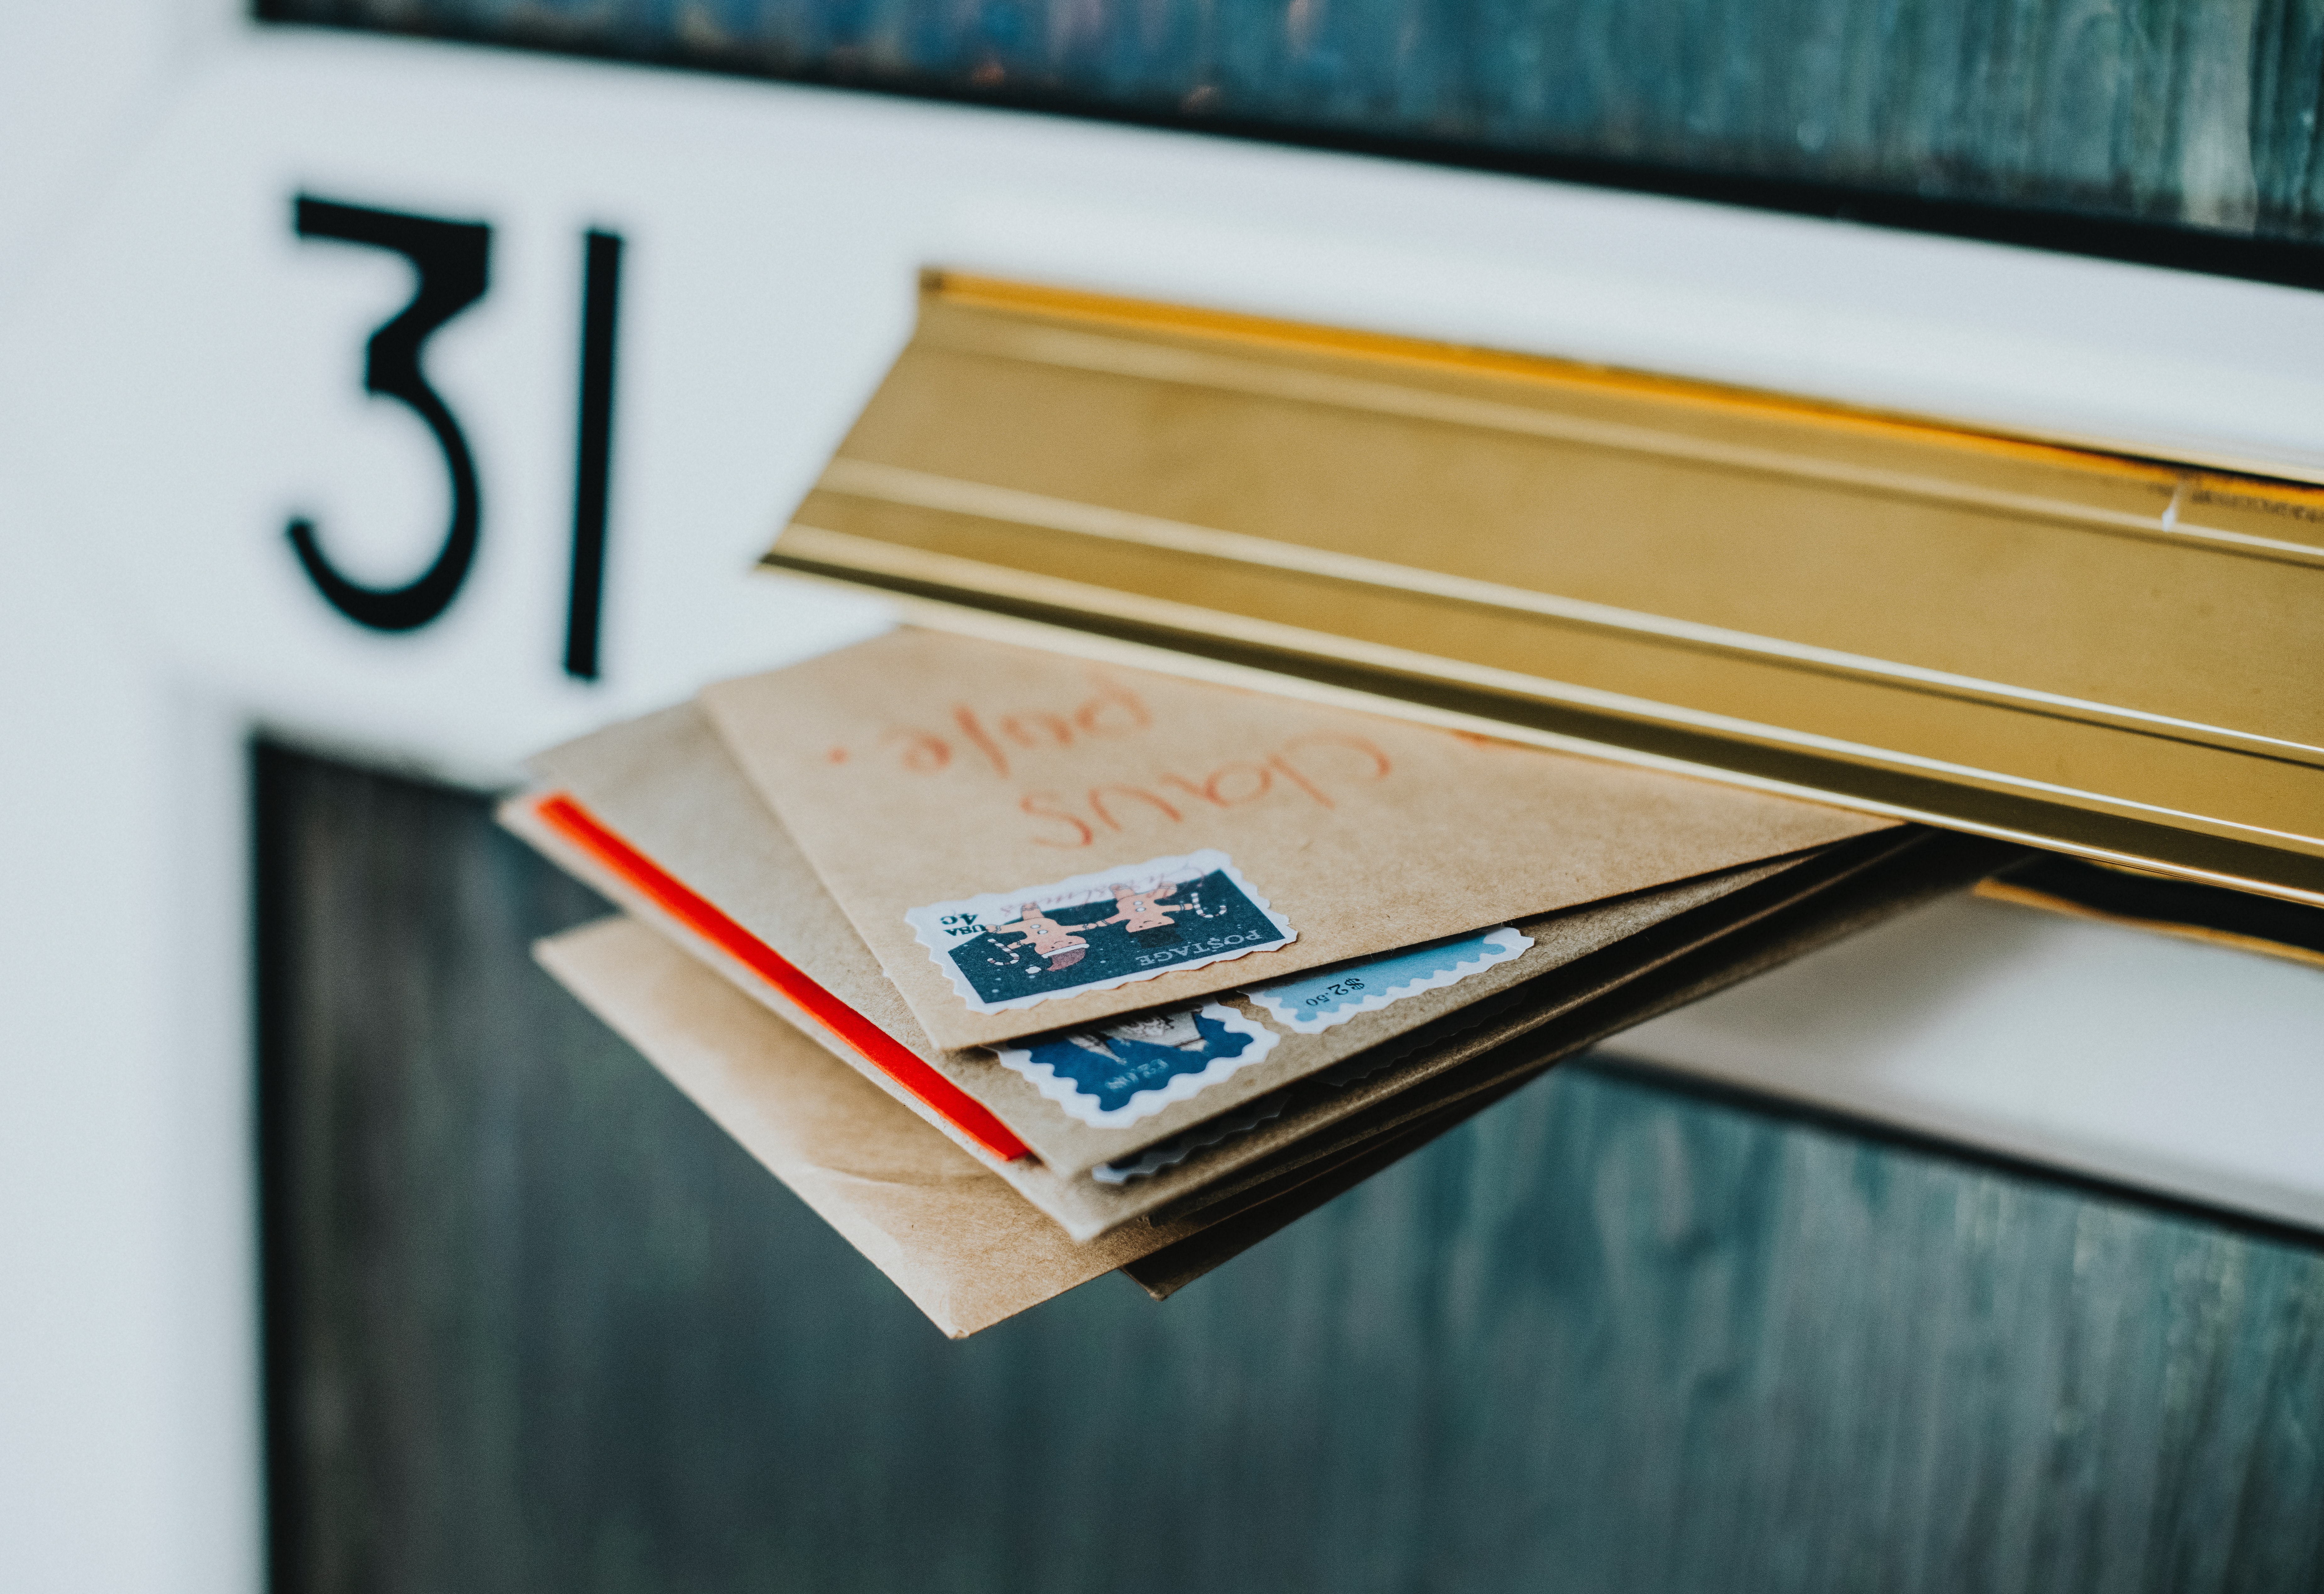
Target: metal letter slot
(2111, 656)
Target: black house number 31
(453, 260)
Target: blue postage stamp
(1312, 1003)
(1117, 1074)
(1012, 949)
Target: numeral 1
(592, 452)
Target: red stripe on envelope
(956, 1106)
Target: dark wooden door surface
(534, 1324)
(2193, 122)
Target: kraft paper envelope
(962, 1247)
(1311, 1125)
(1082, 1207)
(1722, 940)
(960, 1244)
(665, 784)
(966, 1248)
(1029, 843)
(1257, 1201)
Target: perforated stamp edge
(1181, 1087)
(1499, 946)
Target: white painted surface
(177, 373)
(2156, 1061)
(128, 1415)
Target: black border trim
(286, 1505)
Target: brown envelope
(964, 1248)
(665, 783)
(963, 1245)
(968, 1252)
(1080, 1205)
(922, 770)
(1255, 1200)
(1314, 1126)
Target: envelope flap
(943, 784)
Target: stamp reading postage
(1006, 950)
(1313, 1003)
(1113, 1076)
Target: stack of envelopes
(1020, 969)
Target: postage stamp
(1006, 950)
(1312, 1003)
(1178, 1147)
(1113, 1076)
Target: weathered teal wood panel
(535, 1324)
(2197, 113)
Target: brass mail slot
(2107, 655)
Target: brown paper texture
(1323, 1120)
(1079, 1205)
(1082, 1206)
(1270, 1191)
(923, 769)
(956, 1240)
(667, 784)
(966, 1248)
(963, 1247)
(961, 1244)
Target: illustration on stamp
(1011, 949)
(1116, 1074)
